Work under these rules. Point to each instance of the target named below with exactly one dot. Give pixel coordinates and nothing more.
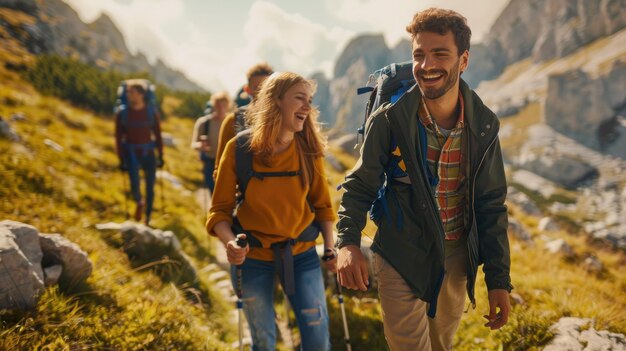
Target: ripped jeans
(308, 302)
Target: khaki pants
(407, 327)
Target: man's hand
(159, 162)
(235, 253)
(498, 298)
(352, 268)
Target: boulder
(6, 131)
(27, 239)
(517, 230)
(579, 334)
(521, 200)
(168, 140)
(564, 170)
(593, 265)
(560, 246)
(19, 287)
(52, 274)
(547, 224)
(146, 245)
(59, 250)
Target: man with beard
(446, 205)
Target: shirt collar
(427, 119)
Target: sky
(214, 41)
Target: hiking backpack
(387, 85)
(121, 104)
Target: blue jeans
(147, 162)
(308, 302)
(208, 165)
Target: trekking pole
(329, 255)
(343, 314)
(124, 181)
(161, 186)
(241, 242)
(205, 196)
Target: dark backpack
(121, 104)
(387, 85)
(240, 119)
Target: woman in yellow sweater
(285, 200)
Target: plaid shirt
(445, 159)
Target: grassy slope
(551, 286)
(119, 307)
(131, 308)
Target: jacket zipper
(472, 263)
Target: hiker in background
(137, 135)
(446, 211)
(236, 122)
(205, 135)
(279, 158)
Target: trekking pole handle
(242, 241)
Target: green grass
(121, 305)
(131, 307)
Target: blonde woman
(283, 206)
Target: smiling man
(447, 212)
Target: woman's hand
(330, 259)
(235, 253)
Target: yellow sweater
(275, 208)
(227, 132)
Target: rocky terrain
(53, 27)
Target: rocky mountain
(341, 109)
(53, 27)
(542, 30)
(534, 31)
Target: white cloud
(391, 16)
(287, 41)
(291, 41)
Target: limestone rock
(578, 334)
(6, 131)
(18, 288)
(566, 171)
(517, 230)
(59, 250)
(560, 246)
(547, 224)
(521, 200)
(592, 264)
(52, 274)
(27, 239)
(147, 245)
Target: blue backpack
(121, 104)
(387, 85)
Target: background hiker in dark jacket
(206, 133)
(137, 135)
(446, 212)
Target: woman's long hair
(265, 120)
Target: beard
(451, 79)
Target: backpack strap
(243, 165)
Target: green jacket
(416, 250)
